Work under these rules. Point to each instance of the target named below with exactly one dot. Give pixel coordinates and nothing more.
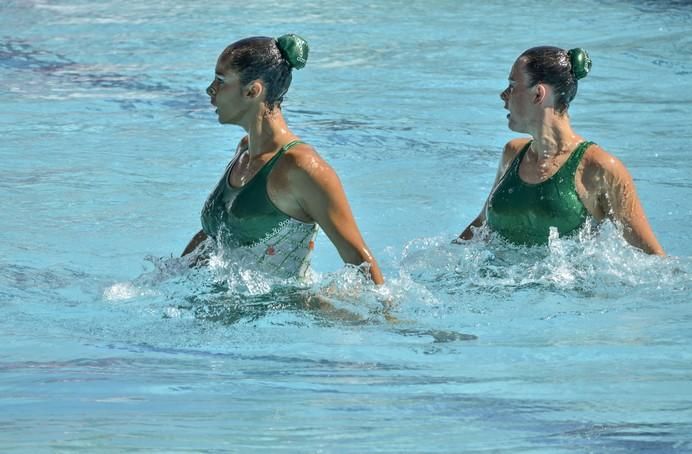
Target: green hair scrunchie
(581, 62)
(294, 49)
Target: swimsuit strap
(267, 167)
(575, 158)
(520, 156)
(283, 150)
(514, 167)
(570, 166)
(270, 164)
(290, 145)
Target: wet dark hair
(558, 68)
(259, 57)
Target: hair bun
(294, 49)
(581, 63)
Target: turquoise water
(109, 148)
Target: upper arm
(320, 194)
(620, 202)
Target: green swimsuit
(244, 220)
(523, 213)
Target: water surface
(109, 148)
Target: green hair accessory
(581, 62)
(294, 49)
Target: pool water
(110, 342)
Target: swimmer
(556, 178)
(277, 189)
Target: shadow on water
(663, 6)
(633, 437)
(20, 55)
(17, 54)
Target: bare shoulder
(303, 161)
(513, 147)
(511, 150)
(242, 145)
(598, 162)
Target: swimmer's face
(235, 103)
(225, 92)
(517, 97)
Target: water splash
(221, 289)
(438, 291)
(586, 264)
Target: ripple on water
(439, 290)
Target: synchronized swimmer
(556, 179)
(277, 190)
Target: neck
(267, 132)
(553, 136)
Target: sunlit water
(109, 148)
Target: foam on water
(437, 287)
(588, 264)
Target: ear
(254, 89)
(540, 93)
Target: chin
(227, 120)
(514, 127)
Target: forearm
(194, 242)
(467, 234)
(624, 207)
(375, 273)
(646, 241)
(358, 256)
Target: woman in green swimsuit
(276, 190)
(557, 179)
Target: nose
(503, 94)
(211, 91)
